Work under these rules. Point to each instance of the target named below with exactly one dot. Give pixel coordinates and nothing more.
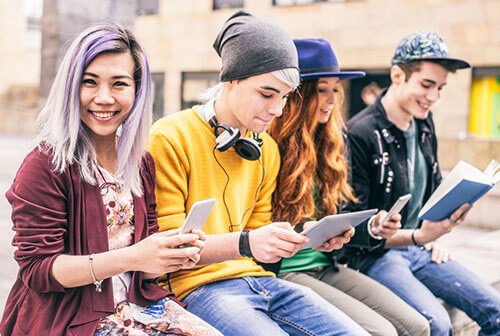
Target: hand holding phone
(197, 215)
(396, 208)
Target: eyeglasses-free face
(254, 102)
(417, 94)
(107, 94)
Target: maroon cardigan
(56, 214)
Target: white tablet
(334, 225)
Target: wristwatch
(244, 244)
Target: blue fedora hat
(317, 59)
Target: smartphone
(396, 208)
(197, 215)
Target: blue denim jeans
(410, 273)
(268, 306)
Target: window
(221, 4)
(374, 77)
(485, 103)
(33, 10)
(302, 2)
(195, 83)
(147, 7)
(158, 79)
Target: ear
(397, 75)
(229, 85)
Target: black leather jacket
(379, 173)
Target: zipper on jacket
(423, 138)
(383, 155)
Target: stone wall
(364, 34)
(179, 39)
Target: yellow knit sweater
(182, 146)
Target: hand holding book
(464, 184)
(432, 230)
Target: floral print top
(165, 317)
(119, 208)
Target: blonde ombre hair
(289, 76)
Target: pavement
(13, 149)
(477, 248)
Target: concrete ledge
(462, 324)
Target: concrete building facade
(20, 67)
(364, 34)
(178, 37)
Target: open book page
(464, 184)
(493, 170)
(456, 175)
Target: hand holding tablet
(334, 225)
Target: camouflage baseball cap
(424, 46)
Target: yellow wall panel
(485, 107)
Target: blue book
(464, 184)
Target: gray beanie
(250, 45)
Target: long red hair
(311, 154)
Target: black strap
(244, 244)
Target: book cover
(464, 184)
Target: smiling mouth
(103, 115)
(424, 106)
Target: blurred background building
(20, 31)
(178, 38)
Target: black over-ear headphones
(247, 148)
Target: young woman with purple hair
(84, 210)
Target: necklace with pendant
(105, 186)
(118, 205)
